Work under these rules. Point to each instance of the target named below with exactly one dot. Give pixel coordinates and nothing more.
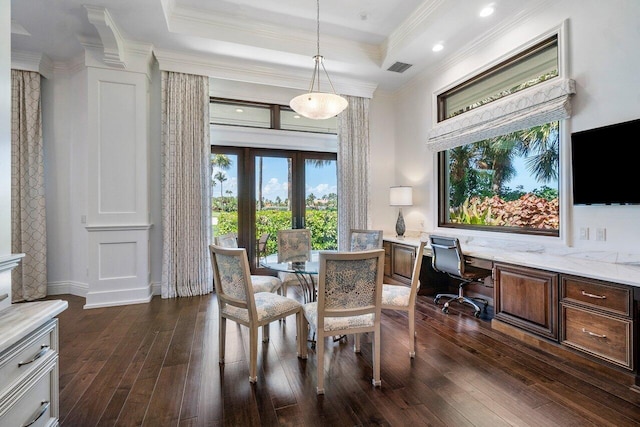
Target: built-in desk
(561, 300)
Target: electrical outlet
(584, 233)
(601, 234)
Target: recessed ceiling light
(239, 110)
(296, 116)
(486, 11)
(437, 47)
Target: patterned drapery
(537, 105)
(353, 169)
(186, 217)
(28, 219)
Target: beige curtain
(186, 217)
(543, 103)
(353, 168)
(28, 220)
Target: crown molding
(226, 68)
(29, 61)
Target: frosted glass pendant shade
(318, 105)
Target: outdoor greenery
(478, 173)
(322, 223)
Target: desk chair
(238, 302)
(349, 302)
(294, 245)
(260, 283)
(448, 258)
(403, 298)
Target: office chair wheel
(445, 309)
(436, 300)
(476, 314)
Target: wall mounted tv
(606, 164)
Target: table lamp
(400, 196)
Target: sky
(320, 181)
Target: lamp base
(400, 228)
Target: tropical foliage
(478, 172)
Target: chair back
(447, 255)
(232, 278)
(294, 245)
(262, 245)
(228, 240)
(350, 283)
(415, 275)
(364, 240)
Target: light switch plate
(584, 233)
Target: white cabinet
(29, 391)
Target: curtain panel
(534, 106)
(28, 219)
(353, 169)
(186, 212)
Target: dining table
(304, 271)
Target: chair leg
(320, 363)
(253, 354)
(265, 333)
(376, 358)
(356, 343)
(412, 333)
(222, 333)
(301, 334)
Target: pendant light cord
(318, 26)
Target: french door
(256, 192)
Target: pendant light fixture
(316, 104)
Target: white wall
(5, 128)
(603, 59)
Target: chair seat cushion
(395, 295)
(265, 283)
(336, 323)
(269, 307)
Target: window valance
(534, 106)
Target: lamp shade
(318, 105)
(401, 196)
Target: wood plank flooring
(157, 364)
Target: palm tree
(220, 177)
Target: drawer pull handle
(593, 334)
(42, 352)
(43, 408)
(587, 294)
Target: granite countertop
(20, 319)
(595, 265)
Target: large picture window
(498, 140)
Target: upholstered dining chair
(260, 283)
(349, 302)
(294, 245)
(403, 298)
(364, 240)
(238, 302)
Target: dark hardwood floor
(156, 364)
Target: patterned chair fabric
(238, 302)
(228, 240)
(364, 240)
(293, 246)
(349, 302)
(403, 298)
(260, 283)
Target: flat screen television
(606, 164)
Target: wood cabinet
(29, 364)
(399, 259)
(527, 298)
(597, 319)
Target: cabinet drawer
(34, 403)
(608, 297)
(27, 354)
(599, 335)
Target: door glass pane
(224, 194)
(321, 203)
(273, 199)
